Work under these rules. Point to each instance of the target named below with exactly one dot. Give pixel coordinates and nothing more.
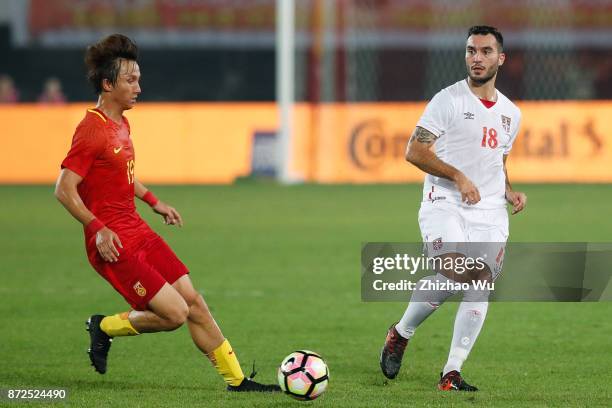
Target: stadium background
(204, 130)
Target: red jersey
(102, 153)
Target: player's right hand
(105, 242)
(469, 193)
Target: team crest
(437, 244)
(140, 290)
(506, 123)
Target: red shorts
(140, 274)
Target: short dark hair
(484, 30)
(103, 59)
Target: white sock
(422, 304)
(468, 322)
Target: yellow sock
(118, 325)
(226, 364)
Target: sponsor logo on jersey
(506, 123)
(140, 290)
(468, 115)
(437, 244)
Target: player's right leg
(157, 305)
(440, 224)
(99, 343)
(168, 311)
(422, 304)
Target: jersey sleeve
(88, 143)
(514, 134)
(438, 114)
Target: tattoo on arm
(423, 135)
(419, 154)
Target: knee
(177, 317)
(476, 295)
(198, 311)
(192, 298)
(196, 303)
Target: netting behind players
(396, 50)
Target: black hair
(103, 59)
(484, 30)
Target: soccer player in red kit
(97, 185)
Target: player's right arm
(419, 153)
(66, 192)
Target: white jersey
(473, 139)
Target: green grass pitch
(279, 267)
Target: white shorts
(448, 228)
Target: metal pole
(285, 74)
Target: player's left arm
(516, 198)
(171, 216)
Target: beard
(484, 79)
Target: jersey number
(492, 138)
(130, 171)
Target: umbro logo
(468, 115)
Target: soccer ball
(303, 375)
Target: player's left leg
(207, 336)
(468, 324)
(204, 330)
(139, 284)
(487, 234)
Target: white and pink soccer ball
(303, 375)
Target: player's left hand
(517, 199)
(171, 216)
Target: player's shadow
(128, 386)
(71, 383)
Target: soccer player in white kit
(466, 189)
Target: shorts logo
(506, 123)
(140, 290)
(437, 244)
